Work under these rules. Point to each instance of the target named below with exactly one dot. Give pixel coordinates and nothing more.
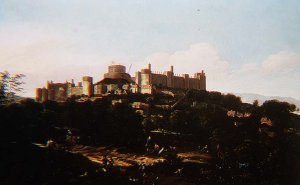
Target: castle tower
(44, 94)
(202, 80)
(50, 90)
(87, 86)
(144, 81)
(38, 94)
(48, 84)
(138, 78)
(70, 87)
(170, 75)
(145, 77)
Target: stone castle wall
(116, 80)
(146, 79)
(159, 79)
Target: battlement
(87, 78)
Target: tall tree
(9, 86)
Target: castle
(117, 81)
(146, 80)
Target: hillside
(200, 138)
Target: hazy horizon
(243, 46)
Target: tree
(9, 86)
(279, 113)
(255, 103)
(230, 101)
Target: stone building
(147, 81)
(117, 81)
(61, 91)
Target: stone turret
(87, 86)
(201, 76)
(117, 71)
(138, 78)
(38, 94)
(170, 75)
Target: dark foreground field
(206, 138)
(32, 164)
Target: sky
(249, 46)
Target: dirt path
(129, 159)
(119, 158)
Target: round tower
(87, 85)
(116, 68)
(117, 71)
(38, 94)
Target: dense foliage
(95, 123)
(9, 86)
(241, 145)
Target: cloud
(197, 57)
(249, 68)
(275, 64)
(283, 61)
(278, 74)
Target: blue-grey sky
(244, 46)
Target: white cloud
(197, 57)
(283, 61)
(278, 74)
(249, 68)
